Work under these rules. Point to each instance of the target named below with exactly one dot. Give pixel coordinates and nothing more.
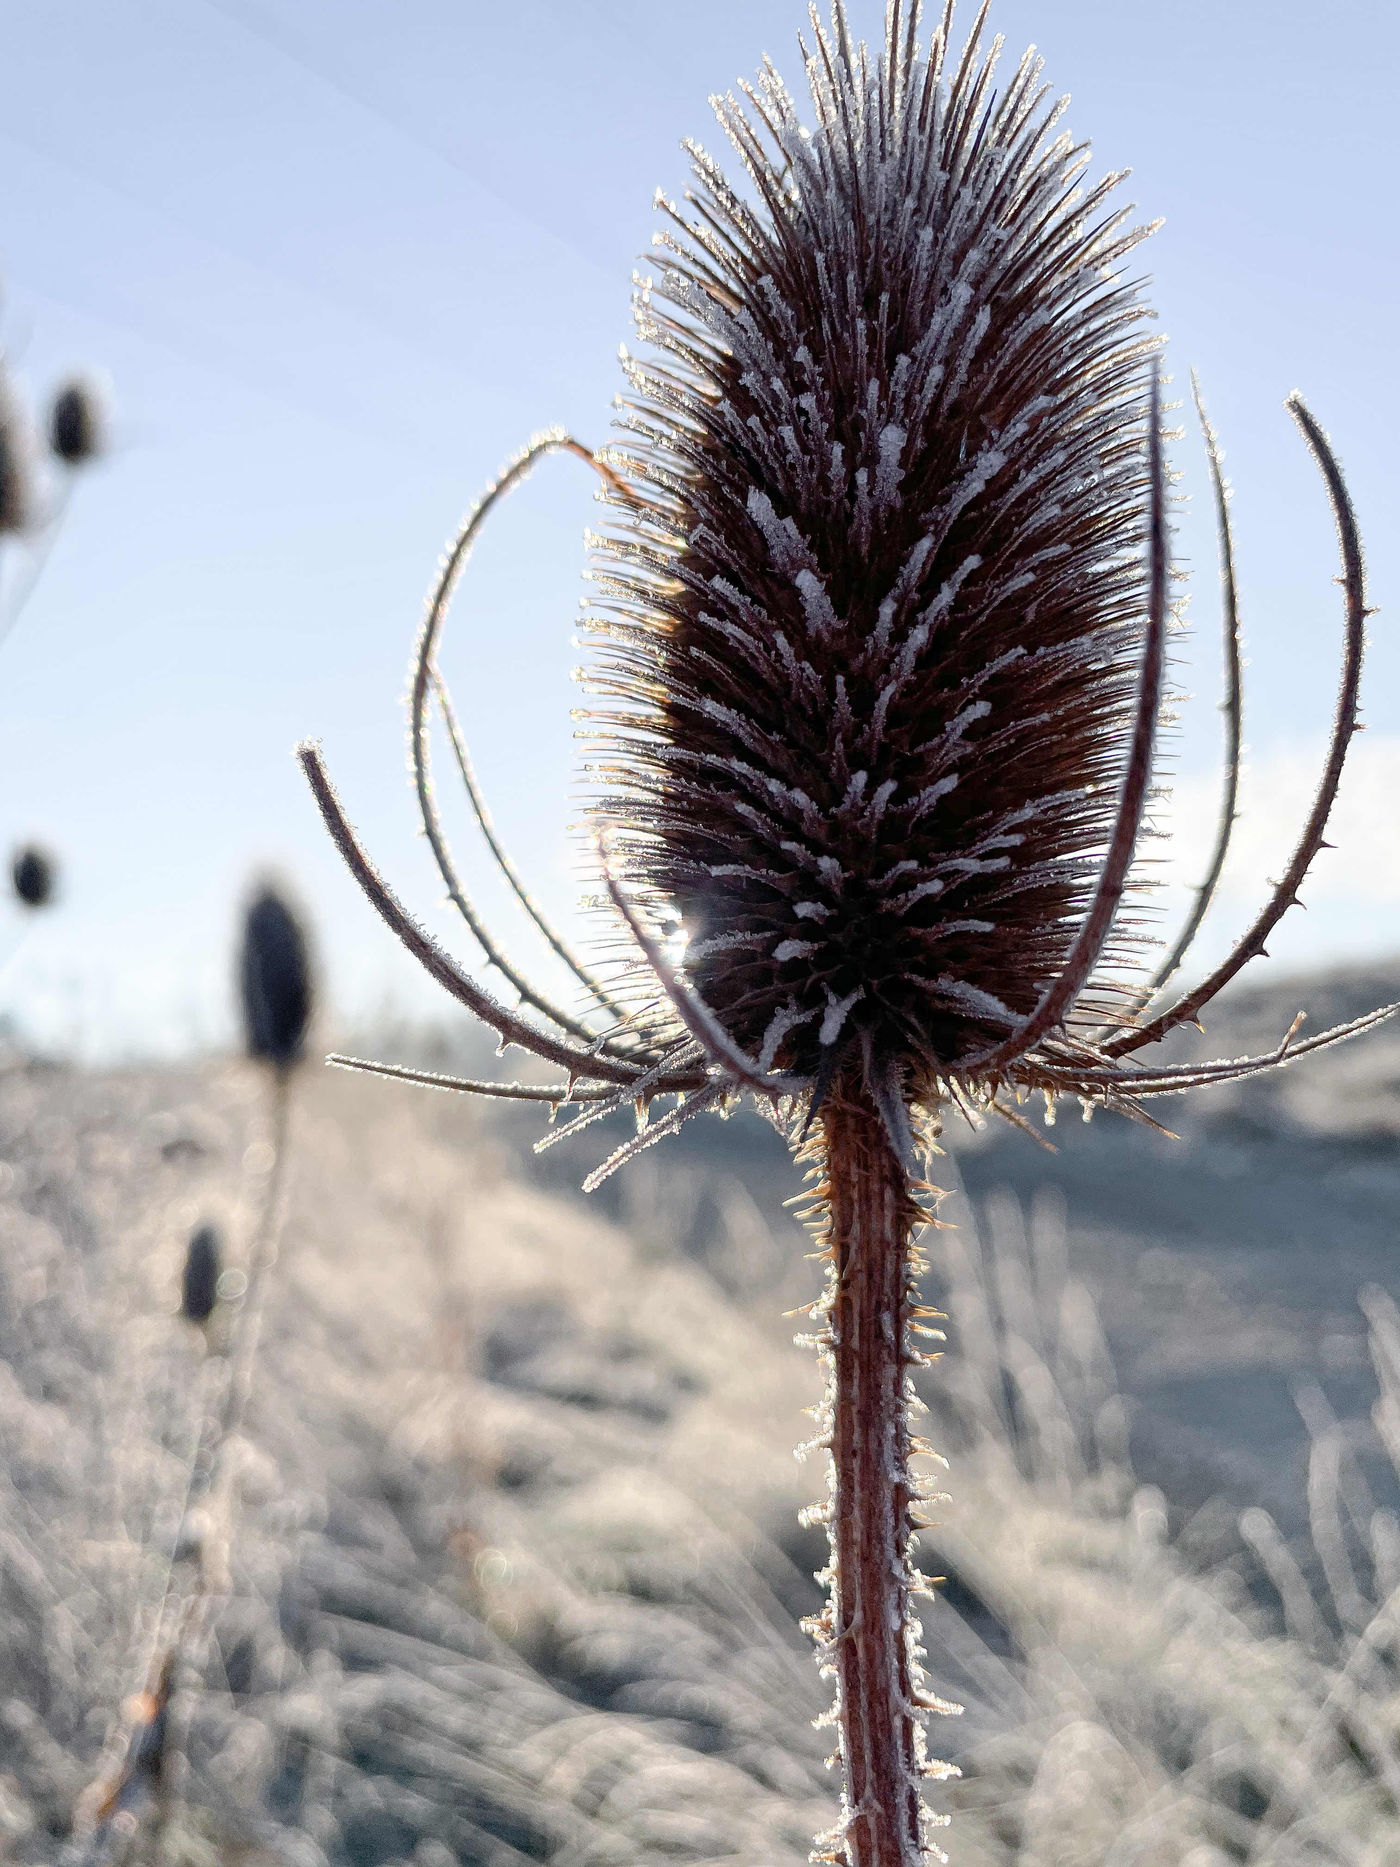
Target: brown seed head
(883, 650)
(874, 638)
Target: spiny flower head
(875, 623)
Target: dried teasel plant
(129, 1811)
(880, 665)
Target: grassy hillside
(514, 1565)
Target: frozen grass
(515, 1566)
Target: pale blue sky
(340, 260)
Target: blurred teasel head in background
(17, 483)
(33, 876)
(78, 423)
(199, 1280)
(275, 981)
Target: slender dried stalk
(138, 1794)
(871, 1629)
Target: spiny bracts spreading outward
(880, 656)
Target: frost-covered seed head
(871, 645)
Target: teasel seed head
(199, 1282)
(872, 642)
(34, 876)
(77, 423)
(882, 652)
(17, 491)
(275, 981)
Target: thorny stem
(871, 1629)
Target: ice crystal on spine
(875, 634)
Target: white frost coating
(812, 911)
(968, 716)
(875, 809)
(724, 943)
(778, 1027)
(974, 998)
(947, 928)
(782, 537)
(794, 949)
(836, 1011)
(974, 865)
(905, 866)
(816, 604)
(939, 607)
(744, 729)
(889, 473)
(931, 887)
(927, 798)
(1035, 808)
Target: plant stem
(871, 1628)
(154, 1742)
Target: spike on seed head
(874, 638)
(199, 1283)
(34, 876)
(275, 981)
(77, 423)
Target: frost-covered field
(516, 1571)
